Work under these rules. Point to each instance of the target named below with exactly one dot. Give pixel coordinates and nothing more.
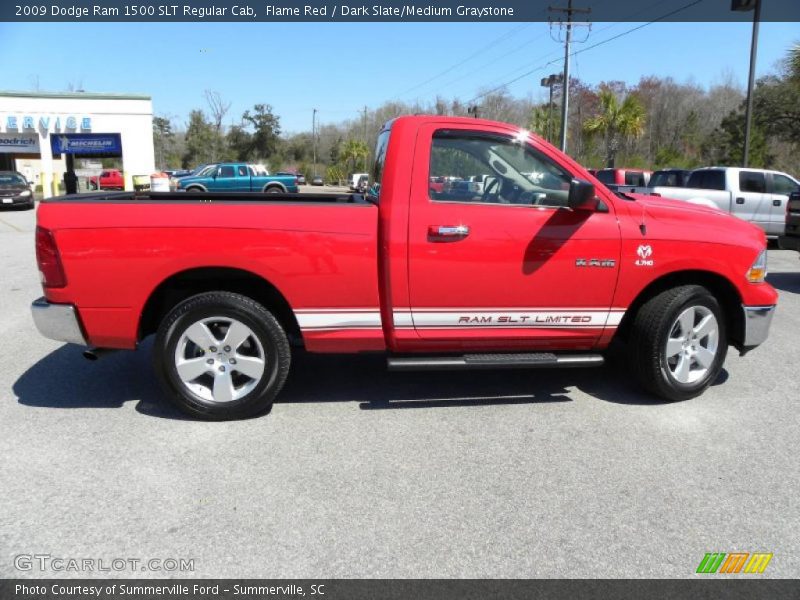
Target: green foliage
(545, 122)
(200, 140)
(616, 122)
(354, 153)
(726, 145)
(334, 175)
(266, 130)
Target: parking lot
(362, 473)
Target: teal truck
(237, 177)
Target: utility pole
(745, 5)
(565, 87)
(365, 124)
(314, 138)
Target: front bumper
(58, 321)
(15, 200)
(757, 320)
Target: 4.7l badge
(645, 253)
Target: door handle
(740, 201)
(776, 203)
(447, 233)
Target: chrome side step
(493, 361)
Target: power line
(491, 44)
(586, 49)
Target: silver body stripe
(465, 318)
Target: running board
(493, 361)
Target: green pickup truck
(237, 177)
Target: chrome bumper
(757, 320)
(58, 321)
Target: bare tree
(217, 108)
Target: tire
(194, 188)
(201, 374)
(273, 190)
(667, 362)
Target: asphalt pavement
(358, 472)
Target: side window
(714, 180)
(752, 181)
(225, 171)
(243, 172)
(606, 176)
(476, 167)
(783, 185)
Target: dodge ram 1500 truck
(542, 266)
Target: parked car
(354, 179)
(363, 184)
(317, 180)
(15, 191)
(790, 240)
(755, 195)
(669, 178)
(630, 177)
(109, 179)
(237, 177)
(533, 275)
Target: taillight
(49, 260)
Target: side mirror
(582, 195)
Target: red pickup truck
(541, 266)
(110, 179)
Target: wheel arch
(184, 284)
(193, 186)
(274, 184)
(720, 287)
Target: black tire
(274, 189)
(267, 332)
(652, 326)
(194, 188)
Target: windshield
(666, 179)
(12, 179)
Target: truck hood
(684, 220)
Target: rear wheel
(221, 356)
(679, 342)
(274, 190)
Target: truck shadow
(786, 282)
(64, 379)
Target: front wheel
(221, 356)
(679, 342)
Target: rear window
(666, 179)
(374, 191)
(783, 185)
(634, 178)
(752, 181)
(606, 176)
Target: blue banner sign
(86, 143)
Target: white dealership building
(40, 130)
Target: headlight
(757, 272)
(25, 194)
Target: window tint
(664, 179)
(634, 178)
(707, 180)
(606, 176)
(377, 169)
(243, 172)
(752, 181)
(479, 167)
(226, 171)
(783, 185)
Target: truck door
(751, 202)
(226, 180)
(780, 186)
(508, 265)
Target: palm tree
(616, 121)
(354, 152)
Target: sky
(339, 68)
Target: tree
(240, 142)
(793, 62)
(163, 140)
(218, 108)
(725, 146)
(200, 140)
(266, 130)
(354, 152)
(616, 121)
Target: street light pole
(751, 83)
(314, 138)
